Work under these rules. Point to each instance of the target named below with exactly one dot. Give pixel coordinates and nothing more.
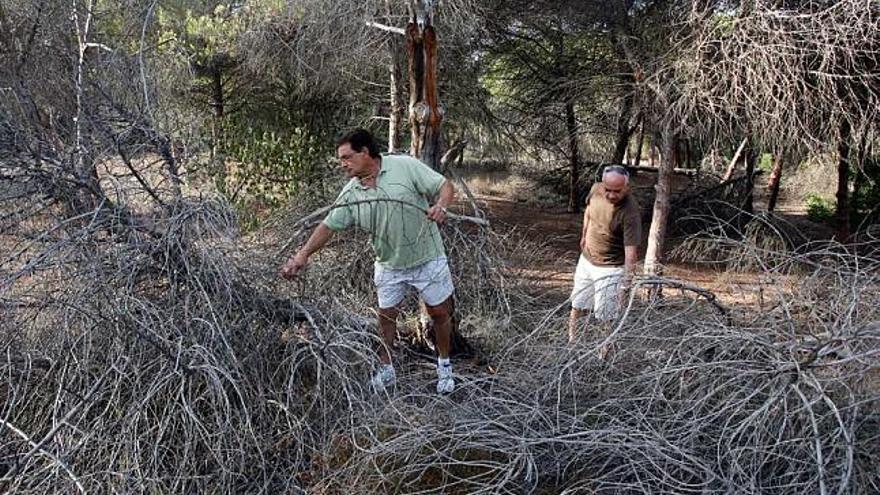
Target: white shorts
(597, 288)
(431, 279)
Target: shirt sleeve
(632, 226)
(426, 180)
(590, 194)
(340, 217)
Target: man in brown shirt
(610, 239)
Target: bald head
(616, 186)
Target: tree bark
(637, 156)
(453, 153)
(751, 158)
(861, 173)
(731, 167)
(843, 148)
(217, 105)
(688, 153)
(425, 111)
(657, 232)
(573, 157)
(624, 132)
(395, 112)
(774, 180)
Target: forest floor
(557, 232)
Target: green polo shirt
(402, 236)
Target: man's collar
(382, 171)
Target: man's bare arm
(584, 229)
(630, 258)
(317, 240)
(445, 197)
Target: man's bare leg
(387, 330)
(573, 323)
(440, 315)
(442, 326)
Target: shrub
(819, 209)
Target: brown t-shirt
(611, 227)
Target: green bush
(819, 209)
(765, 163)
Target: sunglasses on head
(617, 169)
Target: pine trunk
(395, 112)
(774, 181)
(573, 158)
(657, 232)
(623, 131)
(843, 146)
(637, 156)
(751, 159)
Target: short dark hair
(359, 139)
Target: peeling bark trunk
(573, 158)
(657, 232)
(774, 181)
(843, 148)
(425, 111)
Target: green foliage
(819, 209)
(765, 162)
(268, 167)
(866, 200)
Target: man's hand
(437, 213)
(625, 287)
(626, 283)
(292, 267)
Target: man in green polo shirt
(388, 196)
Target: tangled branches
(163, 354)
(786, 73)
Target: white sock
(388, 366)
(443, 362)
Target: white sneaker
(383, 378)
(445, 382)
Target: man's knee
(387, 314)
(440, 312)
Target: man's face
(615, 188)
(355, 163)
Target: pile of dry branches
(166, 356)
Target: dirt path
(557, 233)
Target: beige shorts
(432, 280)
(597, 288)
